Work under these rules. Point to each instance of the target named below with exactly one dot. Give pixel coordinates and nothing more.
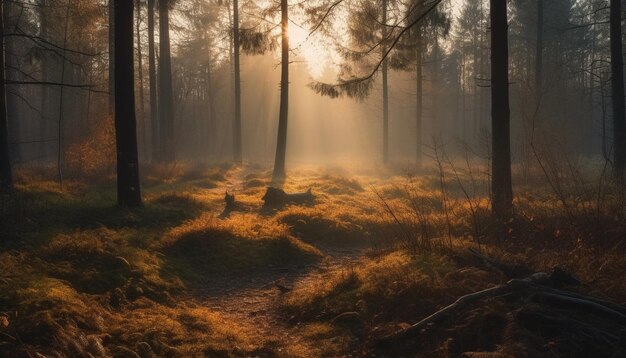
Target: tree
(419, 96)
(128, 188)
(45, 90)
(371, 26)
(467, 41)
(111, 56)
(617, 84)
(237, 144)
(281, 145)
(6, 178)
(142, 110)
(385, 69)
(417, 44)
(501, 184)
(154, 120)
(11, 19)
(166, 102)
(539, 49)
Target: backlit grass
(81, 276)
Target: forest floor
(377, 251)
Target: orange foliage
(94, 156)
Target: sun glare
(317, 54)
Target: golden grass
(87, 277)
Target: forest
(321, 178)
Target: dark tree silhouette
(45, 90)
(539, 49)
(281, 145)
(617, 83)
(128, 189)
(111, 56)
(418, 38)
(154, 119)
(11, 18)
(142, 109)
(419, 89)
(237, 145)
(501, 186)
(385, 70)
(6, 178)
(166, 102)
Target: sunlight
(321, 178)
(313, 52)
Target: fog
(570, 112)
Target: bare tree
(154, 120)
(142, 110)
(111, 56)
(128, 189)
(617, 83)
(237, 144)
(281, 146)
(501, 185)
(6, 178)
(385, 70)
(166, 101)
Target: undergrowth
(82, 277)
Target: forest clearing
(332, 278)
(320, 178)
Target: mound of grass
(315, 225)
(183, 331)
(336, 185)
(255, 183)
(390, 287)
(208, 246)
(51, 318)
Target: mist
(322, 178)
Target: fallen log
(535, 286)
(460, 303)
(580, 304)
(553, 323)
(275, 197)
(509, 270)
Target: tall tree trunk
(142, 109)
(45, 90)
(60, 141)
(539, 50)
(385, 69)
(212, 120)
(154, 119)
(476, 88)
(12, 74)
(166, 105)
(6, 178)
(281, 145)
(617, 83)
(436, 124)
(501, 186)
(418, 100)
(111, 56)
(128, 189)
(463, 92)
(237, 144)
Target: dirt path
(252, 301)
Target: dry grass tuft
(80, 276)
(209, 246)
